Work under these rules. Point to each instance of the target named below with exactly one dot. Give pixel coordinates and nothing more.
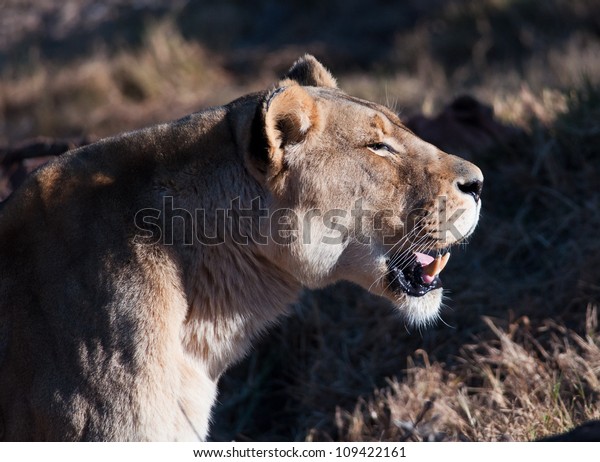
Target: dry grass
(510, 388)
(166, 77)
(519, 358)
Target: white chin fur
(417, 311)
(420, 311)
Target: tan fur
(116, 324)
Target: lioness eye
(382, 147)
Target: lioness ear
(288, 116)
(309, 72)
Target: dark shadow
(381, 35)
(588, 432)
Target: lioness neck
(231, 303)
(234, 290)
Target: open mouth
(419, 275)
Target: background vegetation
(518, 354)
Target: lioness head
(355, 195)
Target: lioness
(136, 270)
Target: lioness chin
(135, 270)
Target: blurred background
(513, 85)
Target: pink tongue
(425, 260)
(427, 279)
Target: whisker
(393, 261)
(396, 257)
(406, 255)
(420, 247)
(402, 258)
(406, 236)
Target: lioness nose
(472, 187)
(470, 180)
